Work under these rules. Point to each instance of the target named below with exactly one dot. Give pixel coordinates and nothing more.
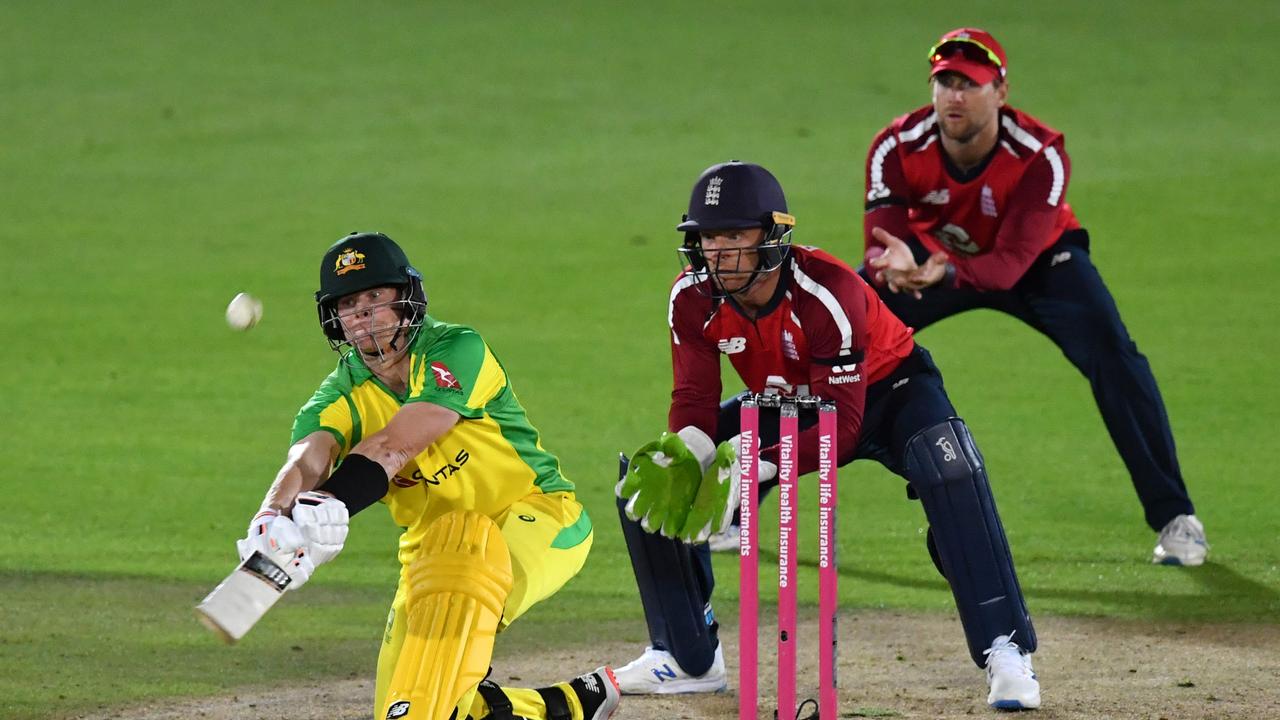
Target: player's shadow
(1225, 593)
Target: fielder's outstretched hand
(278, 538)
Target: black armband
(358, 482)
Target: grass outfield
(159, 158)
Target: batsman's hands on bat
(280, 540)
(323, 520)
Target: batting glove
(280, 540)
(322, 519)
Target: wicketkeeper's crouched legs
(946, 471)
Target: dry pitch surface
(892, 665)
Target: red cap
(970, 52)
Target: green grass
(159, 158)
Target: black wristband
(358, 482)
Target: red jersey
(825, 333)
(992, 221)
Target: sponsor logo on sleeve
(398, 710)
(444, 376)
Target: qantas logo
(730, 346)
(937, 197)
(445, 378)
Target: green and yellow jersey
(492, 458)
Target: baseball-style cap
(970, 52)
(735, 195)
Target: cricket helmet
(364, 260)
(735, 196)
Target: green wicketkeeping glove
(713, 505)
(661, 484)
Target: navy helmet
(736, 196)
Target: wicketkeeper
(420, 416)
(796, 321)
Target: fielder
(420, 415)
(796, 321)
(967, 208)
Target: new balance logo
(937, 197)
(591, 684)
(664, 673)
(713, 192)
(729, 346)
(899, 383)
(1061, 257)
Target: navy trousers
(1063, 296)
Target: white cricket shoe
(1009, 675)
(726, 541)
(1181, 542)
(656, 672)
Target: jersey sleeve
(457, 371)
(695, 364)
(1030, 218)
(887, 193)
(330, 410)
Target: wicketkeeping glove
(322, 519)
(660, 485)
(279, 539)
(714, 504)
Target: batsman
(420, 415)
(796, 321)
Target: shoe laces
(1005, 655)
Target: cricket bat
(240, 600)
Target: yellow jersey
(490, 459)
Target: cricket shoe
(656, 672)
(1181, 542)
(1009, 675)
(726, 541)
(597, 692)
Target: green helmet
(364, 260)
